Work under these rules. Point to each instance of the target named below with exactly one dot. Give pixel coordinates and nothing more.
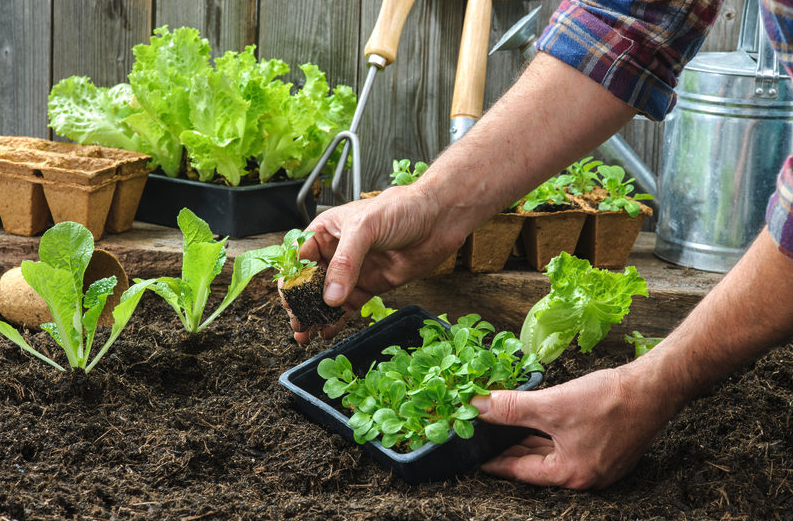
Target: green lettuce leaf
(93, 115)
(583, 301)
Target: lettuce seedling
(402, 175)
(583, 301)
(613, 179)
(423, 393)
(64, 252)
(303, 281)
(551, 191)
(285, 257)
(202, 261)
(376, 309)
(641, 344)
(584, 179)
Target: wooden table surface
(504, 298)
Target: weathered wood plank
(505, 298)
(25, 36)
(229, 25)
(96, 38)
(504, 67)
(408, 112)
(323, 33)
(724, 33)
(502, 298)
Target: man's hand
(599, 426)
(374, 245)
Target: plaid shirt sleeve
(778, 22)
(634, 48)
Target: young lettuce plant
(583, 301)
(376, 309)
(64, 252)
(584, 179)
(202, 261)
(641, 344)
(303, 281)
(613, 179)
(551, 191)
(423, 393)
(402, 175)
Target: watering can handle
(384, 39)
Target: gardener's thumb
(509, 408)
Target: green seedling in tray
(613, 179)
(422, 393)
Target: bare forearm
(748, 312)
(552, 116)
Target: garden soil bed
(171, 426)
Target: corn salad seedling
(422, 393)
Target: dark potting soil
(173, 426)
(305, 301)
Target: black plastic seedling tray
(234, 211)
(432, 462)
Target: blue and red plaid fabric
(637, 48)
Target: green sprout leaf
(422, 393)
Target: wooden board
(95, 39)
(25, 53)
(229, 25)
(503, 298)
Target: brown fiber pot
(608, 237)
(547, 234)
(488, 247)
(21, 305)
(98, 187)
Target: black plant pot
(235, 211)
(432, 462)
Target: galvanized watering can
(724, 143)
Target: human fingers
(537, 468)
(523, 408)
(344, 267)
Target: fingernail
(482, 403)
(334, 292)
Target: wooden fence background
(43, 41)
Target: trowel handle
(385, 35)
(469, 82)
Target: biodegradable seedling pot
(488, 247)
(23, 208)
(92, 185)
(432, 462)
(303, 296)
(21, 305)
(607, 238)
(236, 211)
(547, 234)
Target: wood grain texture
(723, 35)
(469, 79)
(504, 67)
(25, 38)
(229, 25)
(324, 33)
(502, 298)
(408, 111)
(95, 39)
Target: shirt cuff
(637, 60)
(778, 214)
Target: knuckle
(507, 405)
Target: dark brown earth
(171, 426)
